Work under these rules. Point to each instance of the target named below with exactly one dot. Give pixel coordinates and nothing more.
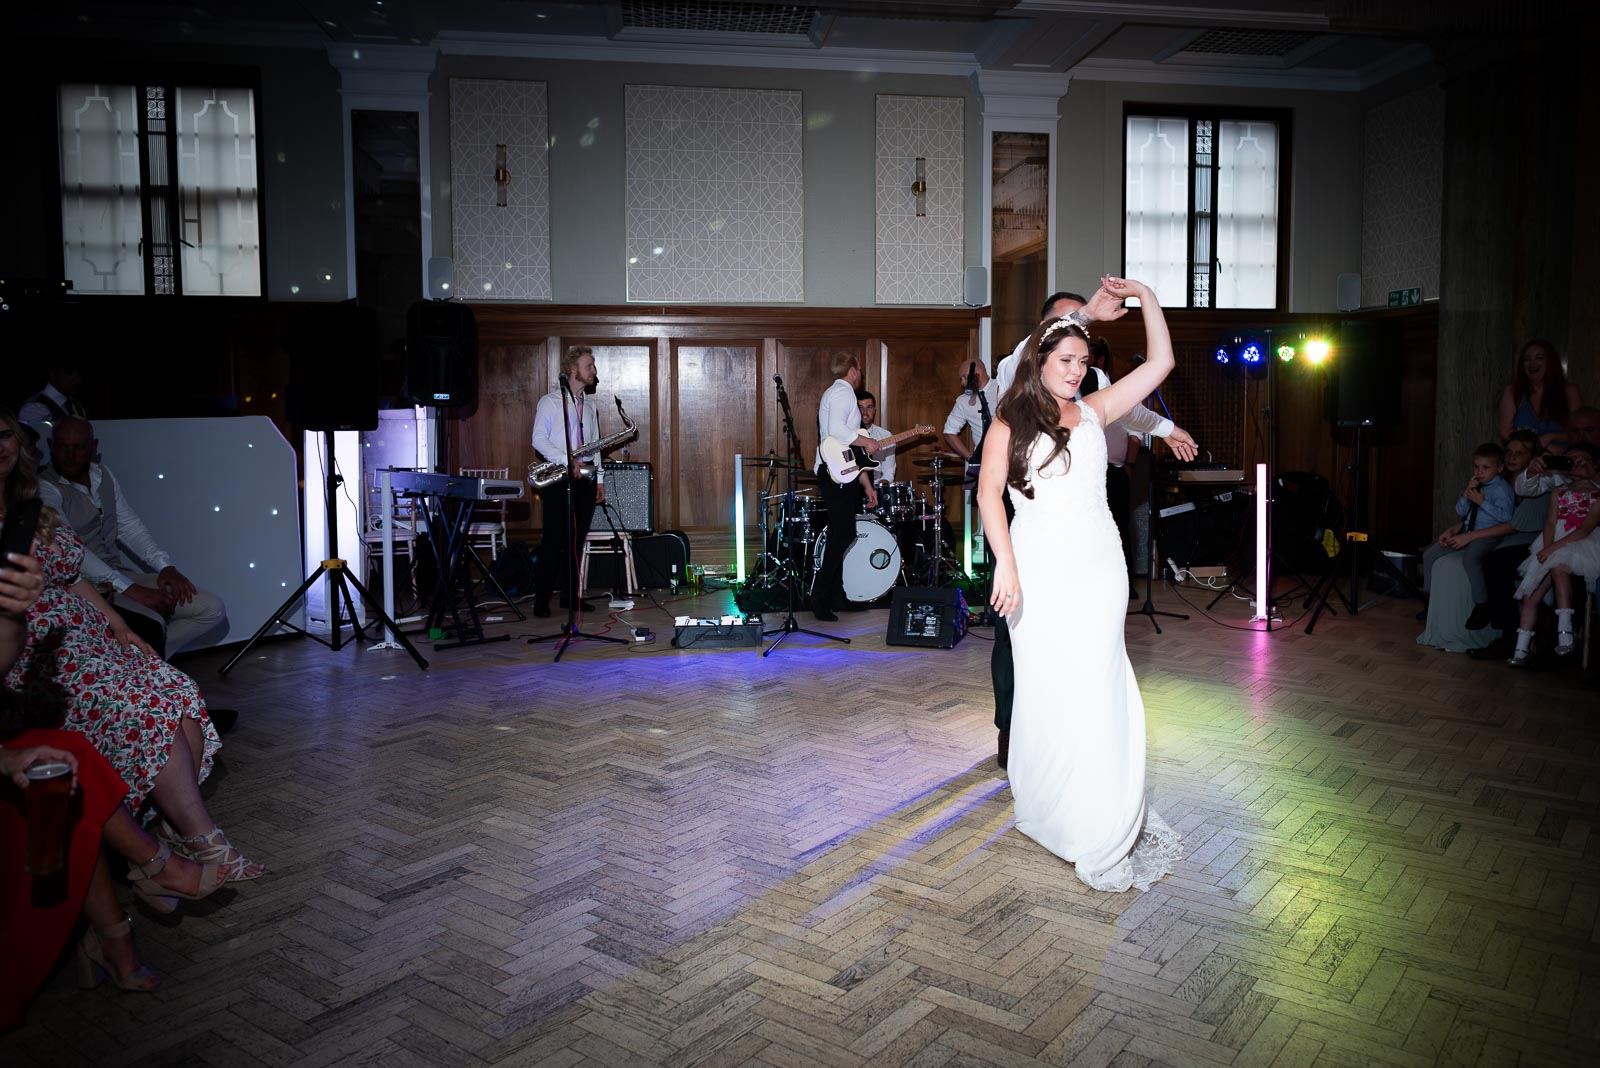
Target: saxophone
(549, 472)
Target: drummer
(869, 426)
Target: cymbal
(941, 459)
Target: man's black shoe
(541, 608)
(825, 615)
(223, 718)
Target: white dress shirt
(1529, 485)
(967, 414)
(35, 414)
(1137, 420)
(838, 415)
(131, 531)
(885, 472)
(549, 424)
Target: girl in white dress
(1569, 547)
(1077, 730)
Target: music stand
(791, 565)
(339, 582)
(569, 630)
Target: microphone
(566, 387)
(1137, 359)
(972, 378)
(778, 379)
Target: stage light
(1317, 350)
(1222, 355)
(1286, 353)
(1251, 353)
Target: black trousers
(558, 566)
(1500, 576)
(1001, 672)
(843, 504)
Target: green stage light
(1285, 353)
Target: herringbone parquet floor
(641, 856)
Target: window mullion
(146, 252)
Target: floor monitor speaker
(930, 616)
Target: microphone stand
(569, 630)
(1148, 609)
(791, 565)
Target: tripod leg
(273, 620)
(383, 619)
(341, 580)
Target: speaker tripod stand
(339, 582)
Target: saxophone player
(567, 413)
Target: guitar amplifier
(630, 495)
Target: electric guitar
(846, 461)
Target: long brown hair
(1029, 409)
(22, 484)
(1553, 405)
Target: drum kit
(902, 541)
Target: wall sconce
(502, 177)
(919, 188)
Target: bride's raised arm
(1119, 398)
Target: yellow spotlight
(1317, 350)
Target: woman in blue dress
(1539, 398)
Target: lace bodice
(1073, 485)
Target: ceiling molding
(1179, 14)
(599, 49)
(1395, 64)
(1130, 70)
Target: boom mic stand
(569, 630)
(339, 582)
(1148, 609)
(791, 566)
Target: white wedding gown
(1077, 727)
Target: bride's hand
(1005, 593)
(1127, 288)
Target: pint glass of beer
(49, 810)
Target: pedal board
(716, 632)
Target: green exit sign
(1404, 298)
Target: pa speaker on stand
(442, 354)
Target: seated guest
(1539, 397)
(1485, 506)
(57, 400)
(86, 670)
(88, 495)
(1583, 425)
(1450, 594)
(1568, 547)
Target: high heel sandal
(92, 966)
(212, 847)
(165, 898)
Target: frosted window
(1247, 215)
(221, 226)
(1156, 230)
(101, 225)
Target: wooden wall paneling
(806, 378)
(625, 373)
(664, 421)
(715, 408)
(924, 379)
(499, 431)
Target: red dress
(74, 674)
(31, 936)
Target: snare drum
(871, 564)
(898, 502)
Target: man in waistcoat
(90, 500)
(57, 400)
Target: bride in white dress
(1077, 728)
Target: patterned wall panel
(715, 191)
(501, 252)
(920, 259)
(1401, 196)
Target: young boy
(1485, 508)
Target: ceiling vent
(1238, 41)
(714, 16)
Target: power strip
(643, 634)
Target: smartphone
(17, 534)
(1558, 463)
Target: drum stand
(790, 571)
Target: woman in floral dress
(84, 669)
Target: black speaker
(1364, 376)
(655, 556)
(333, 366)
(442, 354)
(931, 616)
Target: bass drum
(871, 564)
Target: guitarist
(839, 418)
(566, 413)
(869, 426)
